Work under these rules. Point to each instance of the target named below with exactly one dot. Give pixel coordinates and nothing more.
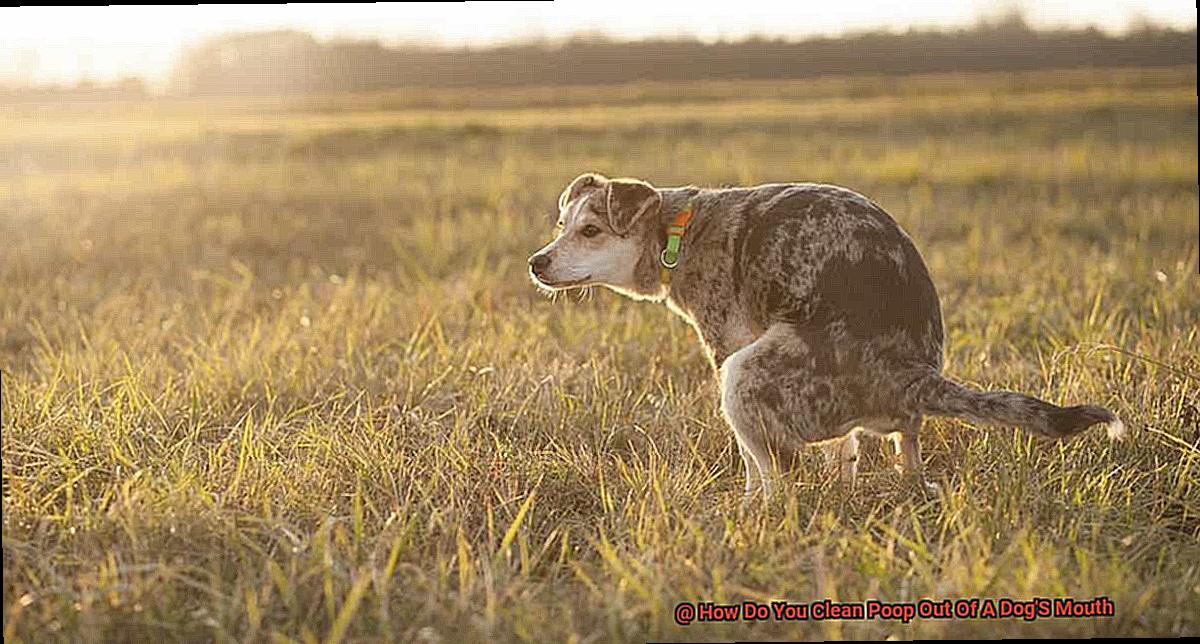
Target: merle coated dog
(810, 300)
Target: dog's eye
(590, 231)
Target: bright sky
(55, 44)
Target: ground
(273, 369)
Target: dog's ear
(581, 183)
(628, 201)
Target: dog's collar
(675, 231)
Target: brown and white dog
(811, 301)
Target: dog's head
(606, 230)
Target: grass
(273, 371)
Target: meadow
(273, 370)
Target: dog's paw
(922, 487)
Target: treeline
(290, 62)
(121, 89)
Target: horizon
(38, 46)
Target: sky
(58, 44)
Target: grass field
(273, 370)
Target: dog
(813, 306)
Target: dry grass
(275, 372)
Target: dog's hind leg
(842, 458)
(908, 448)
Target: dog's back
(834, 264)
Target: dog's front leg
(745, 416)
(751, 470)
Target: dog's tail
(938, 396)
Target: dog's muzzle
(539, 263)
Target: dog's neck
(648, 270)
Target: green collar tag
(670, 256)
(675, 232)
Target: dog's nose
(539, 262)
